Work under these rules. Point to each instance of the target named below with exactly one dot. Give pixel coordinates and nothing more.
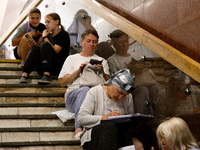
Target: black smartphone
(95, 61)
(28, 37)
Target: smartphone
(28, 37)
(95, 61)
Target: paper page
(129, 116)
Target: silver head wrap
(123, 80)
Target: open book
(125, 118)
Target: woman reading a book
(101, 102)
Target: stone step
(16, 72)
(49, 145)
(42, 145)
(26, 122)
(32, 109)
(14, 79)
(19, 121)
(13, 76)
(38, 129)
(30, 99)
(38, 89)
(16, 123)
(28, 110)
(10, 63)
(36, 136)
(29, 80)
(31, 94)
(32, 105)
(31, 85)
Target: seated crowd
(103, 80)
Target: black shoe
(45, 80)
(23, 79)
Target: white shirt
(73, 62)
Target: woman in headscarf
(101, 102)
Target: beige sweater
(92, 110)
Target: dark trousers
(108, 136)
(44, 58)
(111, 136)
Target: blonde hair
(176, 133)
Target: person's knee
(111, 128)
(85, 89)
(45, 45)
(141, 90)
(156, 88)
(23, 41)
(35, 50)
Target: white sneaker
(77, 136)
(130, 147)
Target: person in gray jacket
(101, 102)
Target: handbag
(92, 75)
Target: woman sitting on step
(102, 101)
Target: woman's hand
(30, 39)
(113, 113)
(45, 33)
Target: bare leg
(47, 73)
(23, 48)
(138, 144)
(25, 74)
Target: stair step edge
(32, 105)
(53, 85)
(55, 94)
(39, 129)
(48, 116)
(39, 143)
(18, 77)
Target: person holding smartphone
(72, 70)
(50, 56)
(34, 29)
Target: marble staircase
(26, 122)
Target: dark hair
(55, 16)
(116, 34)
(82, 12)
(34, 10)
(89, 31)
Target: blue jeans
(74, 101)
